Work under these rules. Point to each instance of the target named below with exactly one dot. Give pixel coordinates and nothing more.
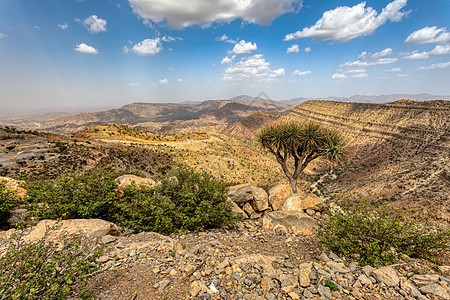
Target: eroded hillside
(398, 152)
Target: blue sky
(85, 52)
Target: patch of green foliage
(8, 200)
(377, 235)
(333, 286)
(184, 200)
(48, 269)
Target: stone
(364, 280)
(237, 211)
(14, 185)
(163, 284)
(307, 294)
(92, 228)
(310, 200)
(310, 212)
(241, 193)
(256, 215)
(295, 222)
(292, 203)
(294, 295)
(324, 257)
(368, 270)
(260, 200)
(108, 239)
(324, 291)
(248, 209)
(435, 289)
(17, 216)
(425, 279)
(126, 180)
(304, 272)
(386, 275)
(337, 267)
(288, 283)
(266, 284)
(278, 194)
(408, 287)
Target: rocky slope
(398, 152)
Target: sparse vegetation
(378, 235)
(47, 269)
(8, 200)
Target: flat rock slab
(386, 275)
(290, 221)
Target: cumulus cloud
(428, 35)
(415, 55)
(163, 81)
(367, 59)
(338, 76)
(360, 75)
(438, 66)
(83, 48)
(293, 49)
(440, 50)
(225, 38)
(244, 47)
(62, 26)
(180, 80)
(253, 67)
(301, 73)
(345, 23)
(228, 60)
(184, 13)
(147, 47)
(94, 24)
(307, 49)
(393, 70)
(3, 35)
(355, 71)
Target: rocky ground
(250, 262)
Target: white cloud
(228, 60)
(94, 24)
(83, 48)
(244, 47)
(367, 55)
(415, 55)
(133, 84)
(301, 73)
(180, 80)
(163, 81)
(428, 35)
(253, 67)
(440, 50)
(225, 38)
(169, 39)
(355, 71)
(146, 48)
(393, 70)
(338, 76)
(361, 63)
(438, 66)
(307, 49)
(360, 75)
(293, 49)
(3, 35)
(345, 23)
(402, 75)
(62, 26)
(184, 13)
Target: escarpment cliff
(397, 152)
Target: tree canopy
(304, 143)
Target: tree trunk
(293, 185)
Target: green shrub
(89, 195)
(185, 200)
(376, 236)
(333, 286)
(47, 269)
(8, 200)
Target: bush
(47, 269)
(89, 195)
(8, 200)
(185, 200)
(376, 236)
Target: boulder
(91, 228)
(241, 193)
(278, 195)
(126, 180)
(14, 186)
(248, 209)
(386, 275)
(435, 289)
(237, 210)
(295, 222)
(260, 200)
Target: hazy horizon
(78, 53)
